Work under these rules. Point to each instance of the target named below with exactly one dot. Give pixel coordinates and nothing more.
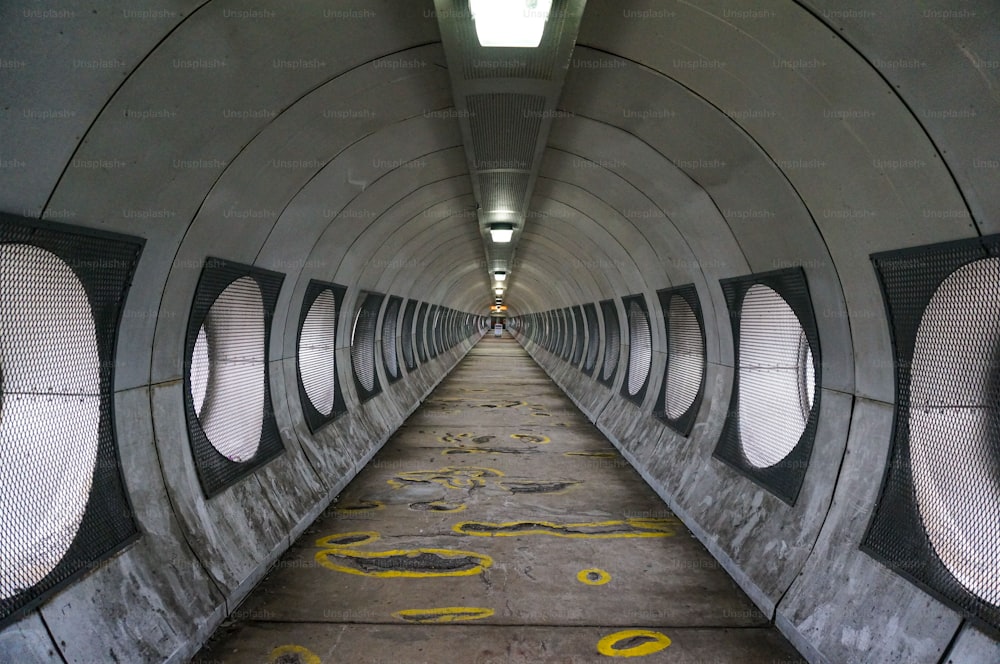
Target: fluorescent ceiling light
(501, 233)
(510, 22)
(499, 291)
(500, 275)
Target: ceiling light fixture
(499, 275)
(510, 23)
(498, 291)
(501, 233)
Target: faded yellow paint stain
(635, 642)
(533, 438)
(593, 576)
(624, 529)
(445, 614)
(450, 477)
(293, 654)
(338, 553)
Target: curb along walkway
(497, 526)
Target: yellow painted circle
(657, 642)
(305, 656)
(593, 577)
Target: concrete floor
(497, 526)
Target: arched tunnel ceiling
(692, 142)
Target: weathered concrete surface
(500, 509)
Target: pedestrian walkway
(497, 526)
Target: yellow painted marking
(443, 615)
(454, 437)
(342, 540)
(534, 438)
(327, 559)
(602, 455)
(593, 576)
(628, 528)
(655, 642)
(293, 653)
(450, 477)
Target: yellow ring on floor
(659, 642)
(583, 576)
(306, 656)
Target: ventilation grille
(232, 428)
(770, 426)
(640, 349)
(319, 389)
(593, 338)
(579, 337)
(503, 191)
(363, 346)
(389, 356)
(420, 332)
(409, 313)
(937, 522)
(612, 342)
(504, 129)
(683, 382)
(64, 503)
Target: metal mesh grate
(563, 338)
(233, 431)
(938, 520)
(579, 336)
(406, 342)
(640, 349)
(683, 382)
(64, 504)
(768, 433)
(433, 323)
(420, 331)
(363, 346)
(319, 386)
(612, 342)
(389, 320)
(593, 338)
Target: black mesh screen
(567, 346)
(765, 361)
(389, 356)
(229, 362)
(612, 342)
(433, 322)
(937, 522)
(315, 356)
(64, 503)
(421, 331)
(579, 337)
(363, 347)
(593, 338)
(640, 349)
(684, 375)
(409, 313)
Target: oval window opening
(50, 404)
(954, 425)
(232, 412)
(685, 358)
(773, 377)
(639, 350)
(317, 360)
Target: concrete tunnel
(755, 243)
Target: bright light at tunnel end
(510, 23)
